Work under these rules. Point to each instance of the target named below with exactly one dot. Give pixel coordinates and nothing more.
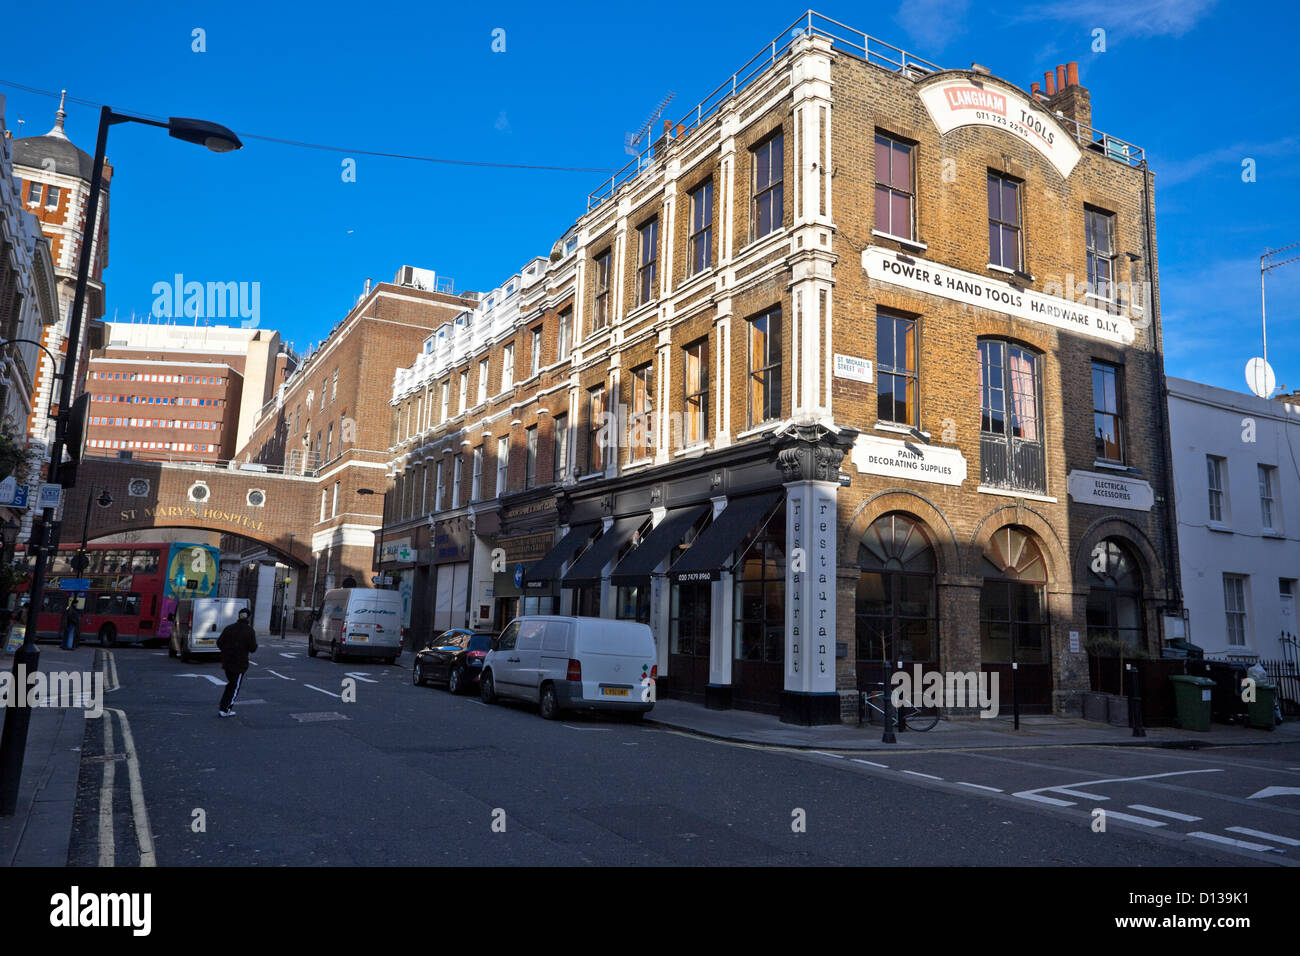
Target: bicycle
(907, 717)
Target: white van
(358, 622)
(199, 622)
(571, 663)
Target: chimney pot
(1033, 89)
(1049, 83)
(681, 130)
(1072, 74)
(668, 127)
(1060, 76)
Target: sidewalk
(40, 830)
(741, 726)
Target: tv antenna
(1265, 267)
(632, 141)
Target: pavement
(740, 726)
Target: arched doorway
(1014, 620)
(1114, 610)
(896, 607)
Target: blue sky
(1202, 85)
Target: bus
(129, 589)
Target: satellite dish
(1260, 378)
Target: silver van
(358, 622)
(199, 622)
(572, 663)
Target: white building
(1237, 482)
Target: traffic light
(75, 434)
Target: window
(507, 367)
(503, 463)
(765, 367)
(897, 384)
(759, 628)
(647, 251)
(334, 508)
(1013, 600)
(895, 610)
(464, 391)
(1234, 606)
(34, 193)
(565, 334)
(1099, 236)
(769, 168)
(455, 480)
(1267, 505)
(1011, 441)
(1214, 468)
(895, 192)
(536, 365)
(643, 383)
(1004, 222)
(595, 417)
(1107, 420)
(600, 308)
(530, 458)
(334, 386)
(329, 441)
(561, 459)
(446, 401)
(324, 383)
(482, 381)
(1114, 609)
(700, 243)
(51, 196)
(697, 392)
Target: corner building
(858, 363)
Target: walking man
(236, 642)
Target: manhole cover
(314, 718)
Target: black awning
(707, 556)
(549, 566)
(586, 570)
(666, 535)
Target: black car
(454, 657)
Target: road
(410, 775)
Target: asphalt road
(410, 775)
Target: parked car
(358, 622)
(572, 663)
(454, 657)
(199, 622)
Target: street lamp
(80, 560)
(13, 742)
(284, 601)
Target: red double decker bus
(122, 602)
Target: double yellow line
(139, 812)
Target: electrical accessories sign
(965, 101)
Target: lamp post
(13, 742)
(80, 561)
(284, 601)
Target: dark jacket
(236, 642)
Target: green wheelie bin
(1260, 711)
(1192, 700)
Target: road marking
(208, 677)
(977, 786)
(1078, 793)
(825, 754)
(1244, 844)
(603, 730)
(283, 654)
(278, 674)
(361, 675)
(1264, 836)
(110, 672)
(324, 691)
(917, 773)
(870, 763)
(106, 847)
(1116, 815)
(140, 814)
(1032, 795)
(254, 663)
(1185, 817)
(1274, 792)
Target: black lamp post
(13, 742)
(81, 561)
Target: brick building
(166, 392)
(859, 362)
(55, 186)
(329, 421)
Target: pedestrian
(71, 625)
(236, 642)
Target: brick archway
(149, 494)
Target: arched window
(1115, 597)
(1013, 609)
(1011, 420)
(895, 617)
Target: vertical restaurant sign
(970, 101)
